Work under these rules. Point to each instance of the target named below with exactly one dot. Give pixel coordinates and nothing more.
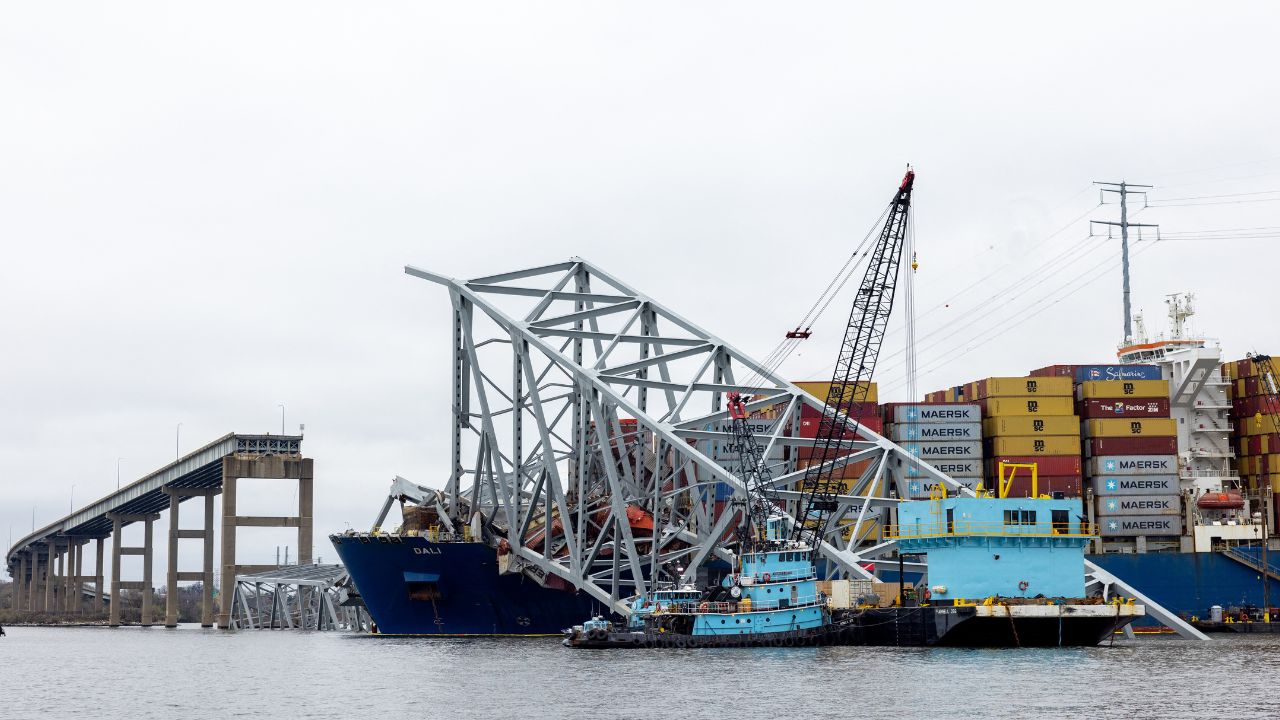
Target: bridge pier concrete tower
(279, 467)
(176, 533)
(117, 550)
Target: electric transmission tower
(1124, 190)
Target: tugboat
(771, 599)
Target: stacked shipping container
(947, 435)
(1130, 446)
(1030, 420)
(1257, 444)
(867, 414)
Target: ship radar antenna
(1140, 328)
(1181, 308)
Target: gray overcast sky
(204, 210)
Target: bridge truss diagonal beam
(590, 435)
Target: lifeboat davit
(1221, 501)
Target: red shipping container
(863, 410)
(1247, 407)
(809, 426)
(1047, 465)
(1068, 485)
(1158, 445)
(1055, 371)
(1110, 408)
(1251, 386)
(852, 471)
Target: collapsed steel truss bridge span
(591, 443)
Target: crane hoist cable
(851, 379)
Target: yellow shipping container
(1273, 478)
(1022, 387)
(1257, 425)
(1124, 388)
(1130, 427)
(1048, 445)
(820, 390)
(996, 407)
(1031, 425)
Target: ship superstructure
(1200, 406)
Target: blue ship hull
(412, 586)
(1188, 583)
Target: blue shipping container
(1117, 372)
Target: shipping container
(1047, 445)
(922, 489)
(809, 425)
(1131, 446)
(863, 411)
(821, 388)
(1133, 465)
(1140, 505)
(932, 412)
(1108, 485)
(997, 407)
(1249, 387)
(1031, 425)
(1122, 389)
(1082, 373)
(929, 451)
(1130, 427)
(954, 468)
(1261, 444)
(851, 471)
(1135, 525)
(1022, 387)
(903, 432)
(1101, 408)
(1256, 425)
(1256, 405)
(1020, 486)
(1050, 465)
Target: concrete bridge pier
(69, 583)
(117, 550)
(19, 584)
(49, 582)
(280, 467)
(35, 581)
(98, 577)
(176, 533)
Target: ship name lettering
(427, 551)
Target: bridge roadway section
(47, 566)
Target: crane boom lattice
(855, 366)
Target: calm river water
(192, 673)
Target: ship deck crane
(851, 379)
(762, 501)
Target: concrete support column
(35, 581)
(69, 577)
(48, 578)
(206, 602)
(228, 546)
(98, 578)
(305, 495)
(171, 587)
(78, 605)
(148, 591)
(15, 599)
(116, 543)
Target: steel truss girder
(538, 459)
(558, 467)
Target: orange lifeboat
(1221, 501)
